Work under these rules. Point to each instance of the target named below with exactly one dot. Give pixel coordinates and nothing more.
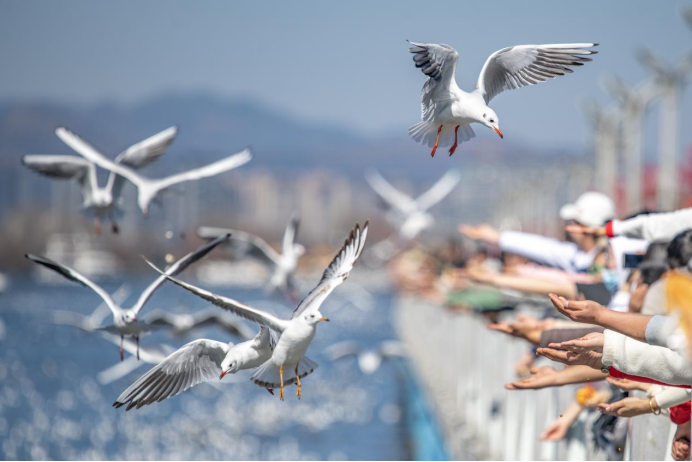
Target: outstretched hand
(518, 329)
(572, 358)
(628, 385)
(485, 233)
(576, 228)
(543, 377)
(589, 342)
(579, 311)
(627, 407)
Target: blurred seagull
(125, 320)
(296, 333)
(282, 265)
(197, 362)
(91, 322)
(183, 324)
(369, 360)
(445, 109)
(147, 354)
(103, 201)
(149, 189)
(409, 216)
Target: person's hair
(657, 252)
(651, 271)
(680, 249)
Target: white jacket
(547, 251)
(638, 358)
(654, 226)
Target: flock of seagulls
(276, 351)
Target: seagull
(369, 360)
(183, 324)
(125, 320)
(296, 333)
(148, 188)
(197, 362)
(446, 108)
(103, 201)
(282, 265)
(409, 215)
(91, 322)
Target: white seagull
(282, 265)
(103, 201)
(296, 333)
(410, 216)
(148, 189)
(369, 360)
(197, 362)
(182, 324)
(91, 322)
(125, 320)
(446, 109)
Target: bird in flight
(447, 112)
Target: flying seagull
(183, 324)
(125, 320)
(92, 321)
(103, 201)
(297, 333)
(148, 189)
(447, 110)
(369, 360)
(197, 362)
(282, 265)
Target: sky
(342, 63)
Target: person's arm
(557, 430)
(630, 407)
(519, 330)
(549, 336)
(549, 377)
(672, 396)
(524, 283)
(630, 324)
(641, 359)
(540, 249)
(652, 227)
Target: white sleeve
(672, 396)
(638, 358)
(540, 249)
(654, 226)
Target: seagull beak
(135, 319)
(499, 132)
(223, 373)
(324, 319)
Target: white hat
(590, 209)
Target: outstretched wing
(393, 197)
(215, 168)
(515, 67)
(64, 167)
(73, 275)
(439, 191)
(178, 267)
(258, 247)
(196, 362)
(337, 271)
(439, 63)
(244, 311)
(290, 234)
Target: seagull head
(299, 249)
(129, 317)
(313, 317)
(229, 367)
(491, 121)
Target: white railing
(464, 367)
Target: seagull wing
(515, 67)
(439, 191)
(213, 317)
(439, 64)
(64, 167)
(337, 271)
(73, 275)
(215, 168)
(392, 196)
(194, 363)
(244, 311)
(290, 234)
(259, 248)
(178, 267)
(119, 370)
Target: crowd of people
(618, 326)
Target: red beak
(223, 373)
(499, 132)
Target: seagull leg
(137, 339)
(298, 379)
(121, 347)
(454, 146)
(432, 153)
(281, 376)
(97, 225)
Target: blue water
(52, 407)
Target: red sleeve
(609, 229)
(621, 375)
(680, 414)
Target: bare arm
(525, 283)
(549, 377)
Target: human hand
(543, 377)
(485, 233)
(681, 442)
(577, 228)
(518, 329)
(591, 341)
(578, 311)
(628, 385)
(479, 275)
(557, 430)
(573, 358)
(627, 407)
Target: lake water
(52, 407)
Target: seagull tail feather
(267, 375)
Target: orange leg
(439, 129)
(454, 146)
